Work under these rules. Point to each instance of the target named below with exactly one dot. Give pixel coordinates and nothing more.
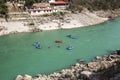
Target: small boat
(72, 37)
(69, 36)
(69, 48)
(58, 41)
(37, 45)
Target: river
(18, 55)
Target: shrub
(62, 13)
(31, 23)
(54, 14)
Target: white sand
(70, 21)
(63, 25)
(13, 27)
(72, 24)
(48, 26)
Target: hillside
(94, 4)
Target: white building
(51, 1)
(58, 4)
(47, 8)
(41, 9)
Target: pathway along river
(18, 56)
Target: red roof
(60, 2)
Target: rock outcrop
(25, 77)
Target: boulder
(27, 77)
(118, 52)
(98, 58)
(105, 64)
(94, 65)
(77, 64)
(86, 73)
(19, 77)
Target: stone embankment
(102, 68)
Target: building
(58, 4)
(41, 9)
(47, 8)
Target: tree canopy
(78, 4)
(95, 4)
(3, 9)
(29, 3)
(3, 1)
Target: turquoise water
(18, 56)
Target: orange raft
(58, 41)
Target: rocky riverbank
(108, 13)
(102, 68)
(22, 22)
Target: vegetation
(29, 3)
(89, 4)
(31, 24)
(3, 1)
(3, 11)
(94, 4)
(54, 14)
(80, 4)
(58, 14)
(73, 78)
(62, 13)
(74, 5)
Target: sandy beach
(13, 27)
(69, 21)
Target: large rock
(19, 77)
(105, 64)
(27, 77)
(118, 52)
(98, 58)
(86, 73)
(94, 65)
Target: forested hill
(94, 4)
(79, 4)
(74, 5)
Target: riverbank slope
(35, 23)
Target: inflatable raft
(69, 48)
(58, 41)
(37, 45)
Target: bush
(95, 4)
(31, 24)
(54, 14)
(62, 13)
(3, 9)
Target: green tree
(29, 3)
(3, 1)
(4, 11)
(94, 4)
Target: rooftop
(59, 2)
(41, 5)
